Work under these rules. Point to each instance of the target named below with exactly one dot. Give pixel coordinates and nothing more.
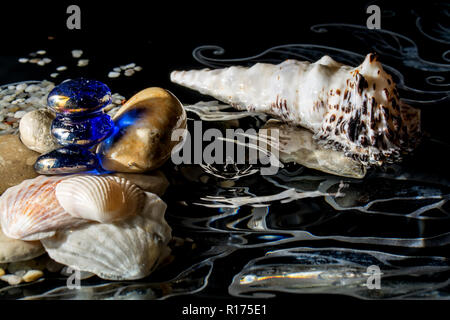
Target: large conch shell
(123, 250)
(354, 110)
(30, 210)
(99, 198)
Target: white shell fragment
(77, 53)
(113, 74)
(297, 145)
(124, 250)
(356, 110)
(30, 211)
(99, 198)
(83, 62)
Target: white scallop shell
(123, 250)
(30, 211)
(99, 198)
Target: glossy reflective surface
(79, 96)
(82, 131)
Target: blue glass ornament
(82, 131)
(71, 159)
(79, 125)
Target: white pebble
(41, 63)
(117, 69)
(23, 60)
(8, 98)
(11, 279)
(19, 114)
(137, 68)
(41, 52)
(61, 68)
(113, 74)
(35, 60)
(47, 60)
(129, 72)
(83, 62)
(32, 88)
(54, 74)
(77, 53)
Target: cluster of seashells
(111, 225)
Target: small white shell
(30, 211)
(99, 198)
(124, 250)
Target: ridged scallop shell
(30, 211)
(123, 250)
(99, 198)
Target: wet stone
(16, 162)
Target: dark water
(292, 241)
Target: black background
(160, 36)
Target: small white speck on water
(41, 63)
(113, 74)
(41, 52)
(117, 69)
(54, 74)
(130, 65)
(61, 68)
(47, 60)
(129, 72)
(77, 53)
(23, 60)
(137, 68)
(21, 87)
(83, 62)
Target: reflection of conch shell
(30, 210)
(355, 110)
(123, 250)
(297, 144)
